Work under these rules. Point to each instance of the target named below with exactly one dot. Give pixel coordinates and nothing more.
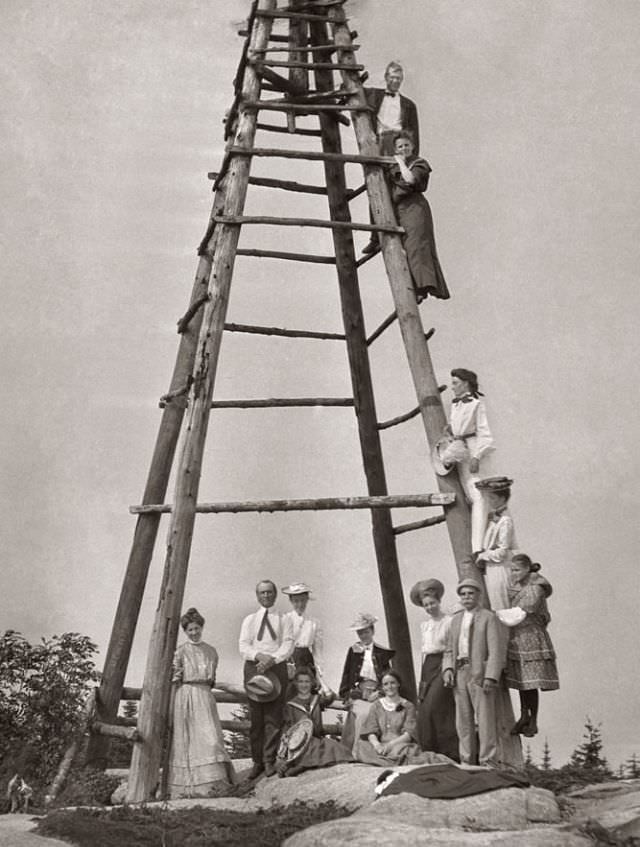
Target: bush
(196, 827)
(88, 787)
(564, 779)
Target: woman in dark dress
(436, 707)
(409, 177)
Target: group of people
(497, 638)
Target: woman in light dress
(198, 757)
(498, 547)
(436, 708)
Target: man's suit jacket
(408, 112)
(487, 645)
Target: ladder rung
(311, 155)
(281, 106)
(293, 257)
(309, 66)
(407, 415)
(284, 333)
(316, 133)
(283, 403)
(386, 323)
(366, 258)
(408, 527)
(299, 16)
(129, 733)
(284, 184)
(386, 501)
(269, 220)
(311, 48)
(356, 192)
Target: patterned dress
(198, 756)
(387, 721)
(531, 659)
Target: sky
(111, 118)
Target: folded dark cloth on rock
(447, 782)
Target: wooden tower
(303, 55)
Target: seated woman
(198, 757)
(388, 734)
(436, 707)
(409, 178)
(531, 659)
(320, 752)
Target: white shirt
(471, 417)
(463, 641)
(499, 540)
(389, 114)
(435, 632)
(307, 633)
(280, 648)
(368, 671)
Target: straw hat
(448, 452)
(297, 588)
(295, 740)
(498, 484)
(262, 687)
(363, 621)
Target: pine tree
(546, 756)
(130, 709)
(528, 758)
(238, 739)
(589, 753)
(632, 766)
(620, 771)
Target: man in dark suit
(392, 112)
(472, 665)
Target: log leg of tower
(383, 535)
(135, 578)
(154, 702)
(426, 386)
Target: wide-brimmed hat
(363, 620)
(297, 588)
(262, 687)
(295, 740)
(469, 582)
(426, 586)
(497, 484)
(447, 453)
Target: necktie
(466, 399)
(266, 624)
(391, 94)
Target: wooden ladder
(317, 46)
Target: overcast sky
(112, 116)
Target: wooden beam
(316, 504)
(128, 733)
(146, 530)
(302, 16)
(315, 133)
(356, 192)
(293, 257)
(409, 527)
(284, 184)
(304, 108)
(283, 403)
(284, 333)
(154, 705)
(407, 415)
(311, 48)
(312, 155)
(224, 693)
(269, 220)
(310, 66)
(386, 323)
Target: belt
(464, 437)
(208, 682)
(460, 663)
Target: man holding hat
(465, 444)
(499, 544)
(266, 642)
(472, 665)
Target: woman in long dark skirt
(409, 178)
(436, 708)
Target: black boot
(521, 723)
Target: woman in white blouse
(307, 634)
(436, 708)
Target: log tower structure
(298, 59)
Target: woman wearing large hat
(198, 757)
(465, 444)
(436, 718)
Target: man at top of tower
(392, 112)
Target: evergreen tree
(130, 709)
(620, 771)
(632, 766)
(589, 753)
(528, 758)
(238, 739)
(546, 756)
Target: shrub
(88, 787)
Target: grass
(195, 827)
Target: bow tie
(391, 94)
(466, 399)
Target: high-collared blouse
(435, 632)
(195, 662)
(280, 647)
(499, 538)
(307, 632)
(469, 418)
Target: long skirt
(321, 753)
(198, 756)
(407, 754)
(414, 214)
(436, 717)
